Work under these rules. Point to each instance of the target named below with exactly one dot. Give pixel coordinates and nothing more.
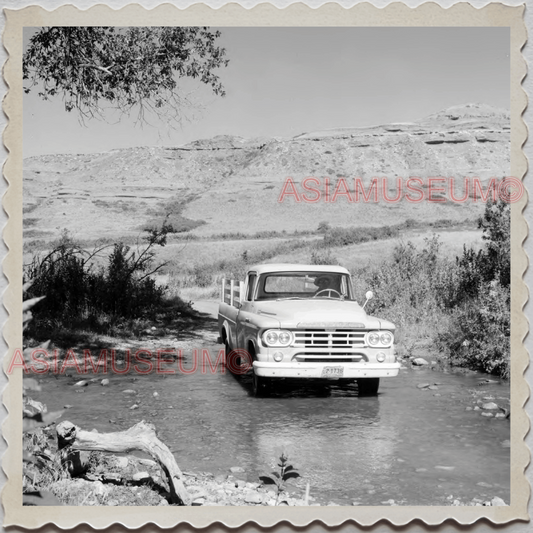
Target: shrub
(176, 223)
(78, 291)
(461, 305)
(480, 332)
(203, 276)
(496, 258)
(352, 235)
(323, 257)
(323, 226)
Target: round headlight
(373, 338)
(278, 356)
(386, 338)
(380, 356)
(284, 337)
(271, 337)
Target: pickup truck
(302, 321)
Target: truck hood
(319, 313)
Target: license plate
(333, 372)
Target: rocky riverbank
(114, 480)
(119, 480)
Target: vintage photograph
(266, 267)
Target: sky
(281, 82)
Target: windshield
(304, 285)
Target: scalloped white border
(235, 516)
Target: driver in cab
(323, 283)
(328, 287)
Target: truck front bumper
(316, 370)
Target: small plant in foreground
(286, 472)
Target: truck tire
(260, 385)
(227, 349)
(368, 386)
(233, 360)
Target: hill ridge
(233, 184)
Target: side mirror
(369, 295)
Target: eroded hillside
(233, 184)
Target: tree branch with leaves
(133, 69)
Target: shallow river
(413, 446)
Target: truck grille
(339, 338)
(326, 357)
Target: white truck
(302, 321)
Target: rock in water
(420, 361)
(497, 502)
(490, 406)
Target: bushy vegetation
(95, 290)
(459, 305)
(323, 257)
(480, 326)
(355, 235)
(176, 223)
(337, 236)
(263, 234)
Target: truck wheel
(368, 386)
(260, 385)
(227, 349)
(232, 359)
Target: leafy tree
(496, 225)
(125, 69)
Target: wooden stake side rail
(140, 437)
(232, 291)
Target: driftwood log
(140, 437)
